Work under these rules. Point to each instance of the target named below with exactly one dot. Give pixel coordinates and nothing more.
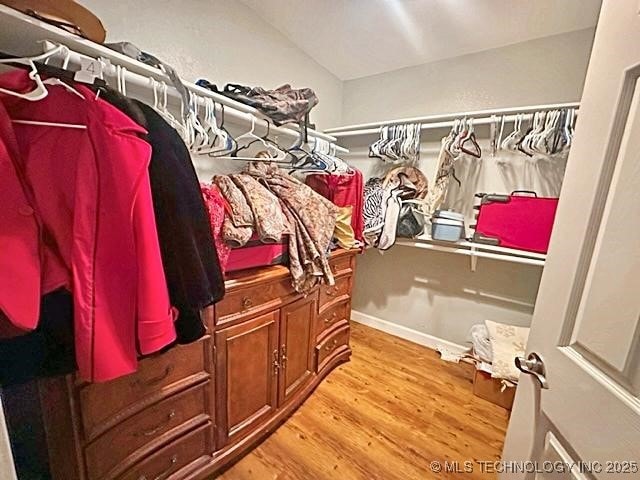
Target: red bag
(257, 254)
(515, 221)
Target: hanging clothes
(80, 202)
(374, 208)
(343, 190)
(437, 193)
(189, 256)
(217, 208)
(191, 263)
(312, 219)
(46, 351)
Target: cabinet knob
(332, 291)
(153, 381)
(246, 302)
(164, 474)
(160, 426)
(331, 346)
(332, 318)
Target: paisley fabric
(240, 213)
(269, 221)
(233, 236)
(312, 220)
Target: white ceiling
(356, 38)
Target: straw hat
(65, 14)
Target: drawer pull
(164, 474)
(154, 380)
(246, 302)
(332, 318)
(331, 346)
(332, 291)
(153, 431)
(276, 364)
(283, 356)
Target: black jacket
(189, 257)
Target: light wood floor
(386, 415)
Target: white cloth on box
(481, 343)
(507, 343)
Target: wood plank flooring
(386, 415)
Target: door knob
(533, 365)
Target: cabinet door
(296, 346)
(246, 376)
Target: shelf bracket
(474, 259)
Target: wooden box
(490, 389)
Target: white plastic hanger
(57, 81)
(160, 104)
(40, 91)
(218, 138)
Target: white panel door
(587, 316)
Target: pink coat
(76, 212)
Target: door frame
(7, 468)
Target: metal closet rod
(140, 81)
(480, 117)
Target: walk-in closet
(319, 240)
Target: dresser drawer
(333, 345)
(249, 301)
(332, 317)
(175, 456)
(341, 265)
(331, 295)
(156, 424)
(104, 405)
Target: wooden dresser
(192, 411)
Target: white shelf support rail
(480, 117)
(25, 35)
(476, 250)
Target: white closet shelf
(480, 117)
(475, 250)
(21, 34)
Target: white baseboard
(407, 333)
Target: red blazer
(76, 212)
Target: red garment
(217, 206)
(77, 213)
(343, 190)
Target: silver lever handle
(533, 365)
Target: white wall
(434, 293)
(223, 41)
(539, 71)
